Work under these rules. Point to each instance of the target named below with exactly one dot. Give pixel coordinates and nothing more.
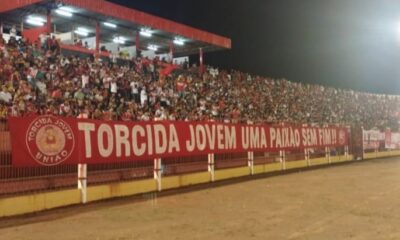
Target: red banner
(49, 140)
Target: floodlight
(146, 32)
(111, 25)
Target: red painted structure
(6, 6)
(113, 10)
(120, 12)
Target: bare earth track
(354, 201)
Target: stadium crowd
(38, 79)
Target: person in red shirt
(56, 94)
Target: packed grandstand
(38, 79)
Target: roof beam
(132, 15)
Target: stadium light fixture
(110, 25)
(179, 41)
(152, 47)
(82, 31)
(84, 34)
(120, 40)
(65, 11)
(36, 21)
(145, 32)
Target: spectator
(40, 80)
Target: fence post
(328, 154)
(307, 156)
(346, 152)
(158, 173)
(82, 181)
(362, 143)
(250, 157)
(282, 159)
(211, 166)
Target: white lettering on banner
(138, 130)
(272, 134)
(137, 142)
(87, 128)
(230, 138)
(149, 140)
(309, 137)
(36, 126)
(278, 143)
(123, 141)
(105, 151)
(263, 144)
(335, 137)
(202, 137)
(220, 136)
(253, 137)
(121, 138)
(285, 137)
(211, 136)
(245, 138)
(50, 159)
(297, 137)
(190, 144)
(173, 140)
(49, 140)
(160, 139)
(66, 130)
(327, 136)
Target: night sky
(342, 43)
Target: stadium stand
(40, 80)
(47, 76)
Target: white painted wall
(91, 42)
(131, 50)
(6, 37)
(66, 38)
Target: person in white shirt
(85, 80)
(5, 95)
(135, 91)
(114, 86)
(143, 97)
(13, 32)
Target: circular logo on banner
(50, 140)
(342, 137)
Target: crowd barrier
(30, 189)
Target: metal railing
(27, 180)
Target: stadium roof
(129, 23)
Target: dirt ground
(356, 201)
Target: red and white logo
(50, 140)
